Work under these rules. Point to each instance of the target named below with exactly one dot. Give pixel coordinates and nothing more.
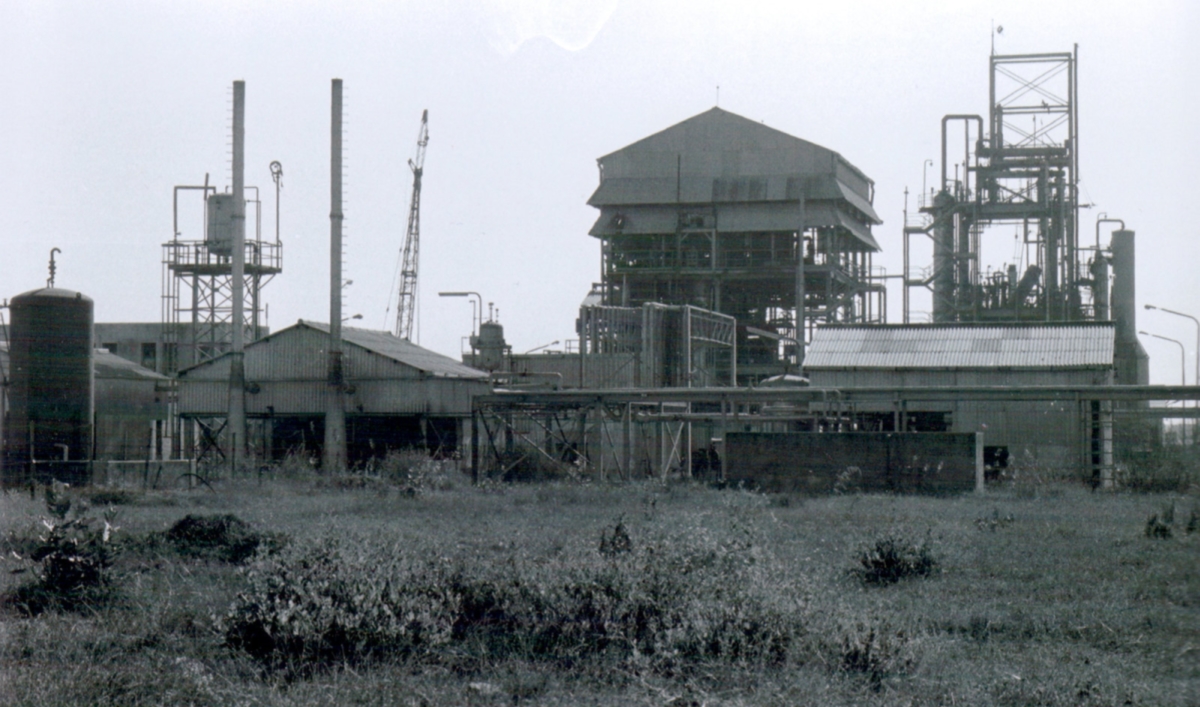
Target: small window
(150, 355)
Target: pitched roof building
(725, 213)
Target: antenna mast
(412, 239)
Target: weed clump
(995, 521)
(892, 558)
(225, 538)
(658, 601)
(876, 650)
(74, 554)
(1157, 528)
(617, 542)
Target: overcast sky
(108, 105)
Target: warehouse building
(397, 395)
(1061, 434)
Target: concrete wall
(822, 463)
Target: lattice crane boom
(407, 304)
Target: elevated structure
(406, 306)
(1014, 174)
(727, 214)
(197, 282)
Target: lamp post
(1196, 379)
(1182, 360)
(477, 296)
(538, 348)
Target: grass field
(579, 594)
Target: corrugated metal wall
(1043, 433)
(289, 372)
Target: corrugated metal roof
(109, 365)
(406, 352)
(1081, 345)
(105, 365)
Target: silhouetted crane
(407, 304)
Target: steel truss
(1019, 168)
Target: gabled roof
(380, 343)
(925, 346)
(718, 157)
(393, 347)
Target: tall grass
(503, 594)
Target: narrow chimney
(335, 415)
(237, 371)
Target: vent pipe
(335, 414)
(237, 371)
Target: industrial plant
(739, 332)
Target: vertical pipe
(800, 284)
(335, 413)
(237, 372)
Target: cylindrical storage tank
(48, 434)
(491, 345)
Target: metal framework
(197, 288)
(406, 305)
(639, 432)
(1018, 169)
(755, 277)
(657, 345)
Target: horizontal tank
(48, 433)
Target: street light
(356, 316)
(1196, 380)
(1195, 321)
(1182, 355)
(537, 348)
(477, 296)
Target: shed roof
(105, 365)
(109, 365)
(388, 345)
(1027, 346)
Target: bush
(415, 471)
(75, 557)
(876, 650)
(225, 538)
(661, 600)
(892, 558)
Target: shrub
(75, 558)
(112, 497)
(1157, 528)
(415, 471)
(876, 650)
(661, 600)
(225, 538)
(892, 558)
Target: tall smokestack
(1131, 361)
(335, 414)
(237, 372)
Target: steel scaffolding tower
(1018, 168)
